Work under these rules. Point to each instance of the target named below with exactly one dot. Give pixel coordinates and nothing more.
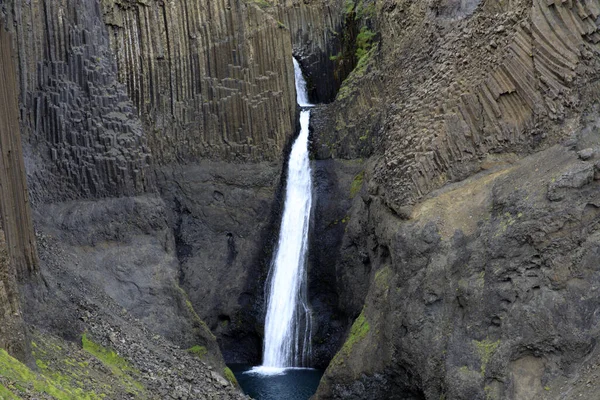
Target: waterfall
(301, 92)
(288, 321)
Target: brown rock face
(211, 79)
(18, 257)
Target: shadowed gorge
(454, 158)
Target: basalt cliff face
(453, 249)
(18, 256)
(138, 119)
(467, 255)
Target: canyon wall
(468, 251)
(315, 28)
(122, 104)
(211, 79)
(18, 256)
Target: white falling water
(288, 320)
(301, 92)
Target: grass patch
(356, 184)
(25, 380)
(6, 394)
(198, 351)
(358, 332)
(117, 365)
(230, 376)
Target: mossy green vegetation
(6, 394)
(485, 349)
(26, 380)
(198, 351)
(349, 6)
(365, 11)
(356, 184)
(364, 42)
(357, 73)
(117, 365)
(193, 313)
(230, 376)
(360, 329)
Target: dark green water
(288, 384)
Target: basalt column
(18, 259)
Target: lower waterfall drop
(288, 320)
(288, 323)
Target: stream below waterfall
(287, 349)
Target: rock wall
(455, 290)
(224, 217)
(211, 79)
(82, 133)
(448, 85)
(18, 256)
(487, 291)
(114, 92)
(315, 28)
(496, 86)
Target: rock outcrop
(487, 291)
(211, 79)
(314, 27)
(18, 256)
(489, 280)
(113, 94)
(466, 84)
(83, 137)
(225, 218)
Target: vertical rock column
(18, 257)
(210, 78)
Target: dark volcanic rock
(225, 223)
(333, 181)
(488, 291)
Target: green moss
(230, 376)
(365, 11)
(364, 42)
(356, 184)
(357, 73)
(358, 332)
(195, 316)
(349, 6)
(28, 380)
(337, 57)
(198, 351)
(118, 365)
(485, 350)
(6, 394)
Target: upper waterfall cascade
(288, 320)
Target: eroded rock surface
(486, 291)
